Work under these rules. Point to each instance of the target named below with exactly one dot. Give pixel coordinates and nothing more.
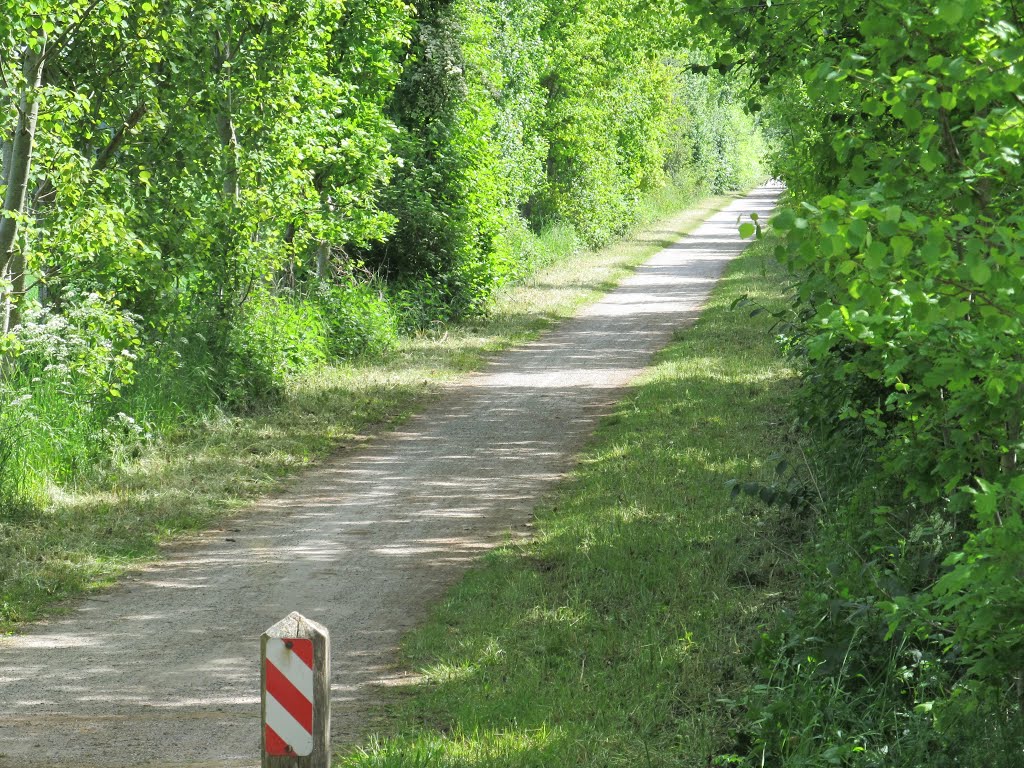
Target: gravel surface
(163, 669)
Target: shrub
(358, 317)
(421, 304)
(59, 390)
(269, 339)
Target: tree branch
(117, 140)
(58, 43)
(977, 296)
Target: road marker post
(295, 661)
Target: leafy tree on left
(32, 36)
(170, 170)
(176, 148)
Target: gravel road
(163, 669)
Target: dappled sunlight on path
(163, 670)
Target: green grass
(118, 516)
(614, 637)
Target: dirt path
(162, 670)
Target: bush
(421, 304)
(358, 317)
(269, 339)
(900, 146)
(59, 392)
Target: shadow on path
(163, 670)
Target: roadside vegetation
(617, 637)
(900, 126)
(118, 512)
(225, 224)
(899, 489)
(233, 234)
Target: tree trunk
(6, 155)
(323, 260)
(43, 199)
(117, 140)
(229, 139)
(286, 274)
(1009, 460)
(225, 121)
(323, 250)
(14, 301)
(17, 172)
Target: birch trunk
(6, 156)
(323, 260)
(17, 270)
(229, 139)
(17, 173)
(6, 153)
(225, 120)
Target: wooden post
(295, 661)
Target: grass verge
(617, 635)
(119, 516)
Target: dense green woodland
(201, 200)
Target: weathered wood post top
(296, 694)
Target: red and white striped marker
(288, 728)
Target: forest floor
(161, 670)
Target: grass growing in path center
(613, 637)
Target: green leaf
(912, 118)
(874, 257)
(981, 273)
(901, 246)
(873, 107)
(950, 11)
(747, 229)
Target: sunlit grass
(216, 463)
(620, 631)
(462, 750)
